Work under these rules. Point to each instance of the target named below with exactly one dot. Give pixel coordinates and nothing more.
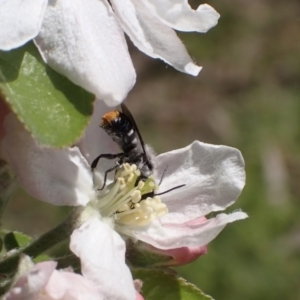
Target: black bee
(121, 127)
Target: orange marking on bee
(110, 116)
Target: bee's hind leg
(105, 175)
(107, 156)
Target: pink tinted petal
(153, 37)
(139, 296)
(185, 255)
(214, 177)
(196, 221)
(56, 176)
(30, 285)
(102, 254)
(20, 21)
(70, 286)
(185, 235)
(179, 15)
(176, 256)
(83, 41)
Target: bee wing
(128, 114)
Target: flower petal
(68, 285)
(31, 284)
(214, 177)
(179, 15)
(153, 37)
(185, 235)
(102, 254)
(83, 41)
(56, 176)
(140, 253)
(20, 21)
(139, 296)
(185, 255)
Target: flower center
(131, 201)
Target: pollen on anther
(141, 184)
(152, 184)
(136, 196)
(124, 207)
(130, 177)
(130, 204)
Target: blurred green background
(247, 96)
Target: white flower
(213, 176)
(84, 39)
(43, 281)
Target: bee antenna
(174, 188)
(163, 175)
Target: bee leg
(105, 175)
(145, 196)
(107, 156)
(174, 188)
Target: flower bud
(143, 255)
(139, 296)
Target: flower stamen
(130, 200)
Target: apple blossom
(84, 39)
(43, 281)
(213, 176)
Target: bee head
(115, 124)
(109, 119)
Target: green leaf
(15, 240)
(52, 108)
(42, 257)
(160, 285)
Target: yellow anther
(147, 210)
(123, 207)
(137, 205)
(161, 211)
(128, 219)
(151, 184)
(130, 177)
(121, 180)
(136, 196)
(125, 200)
(141, 184)
(157, 199)
(145, 221)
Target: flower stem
(7, 185)
(67, 261)
(44, 242)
